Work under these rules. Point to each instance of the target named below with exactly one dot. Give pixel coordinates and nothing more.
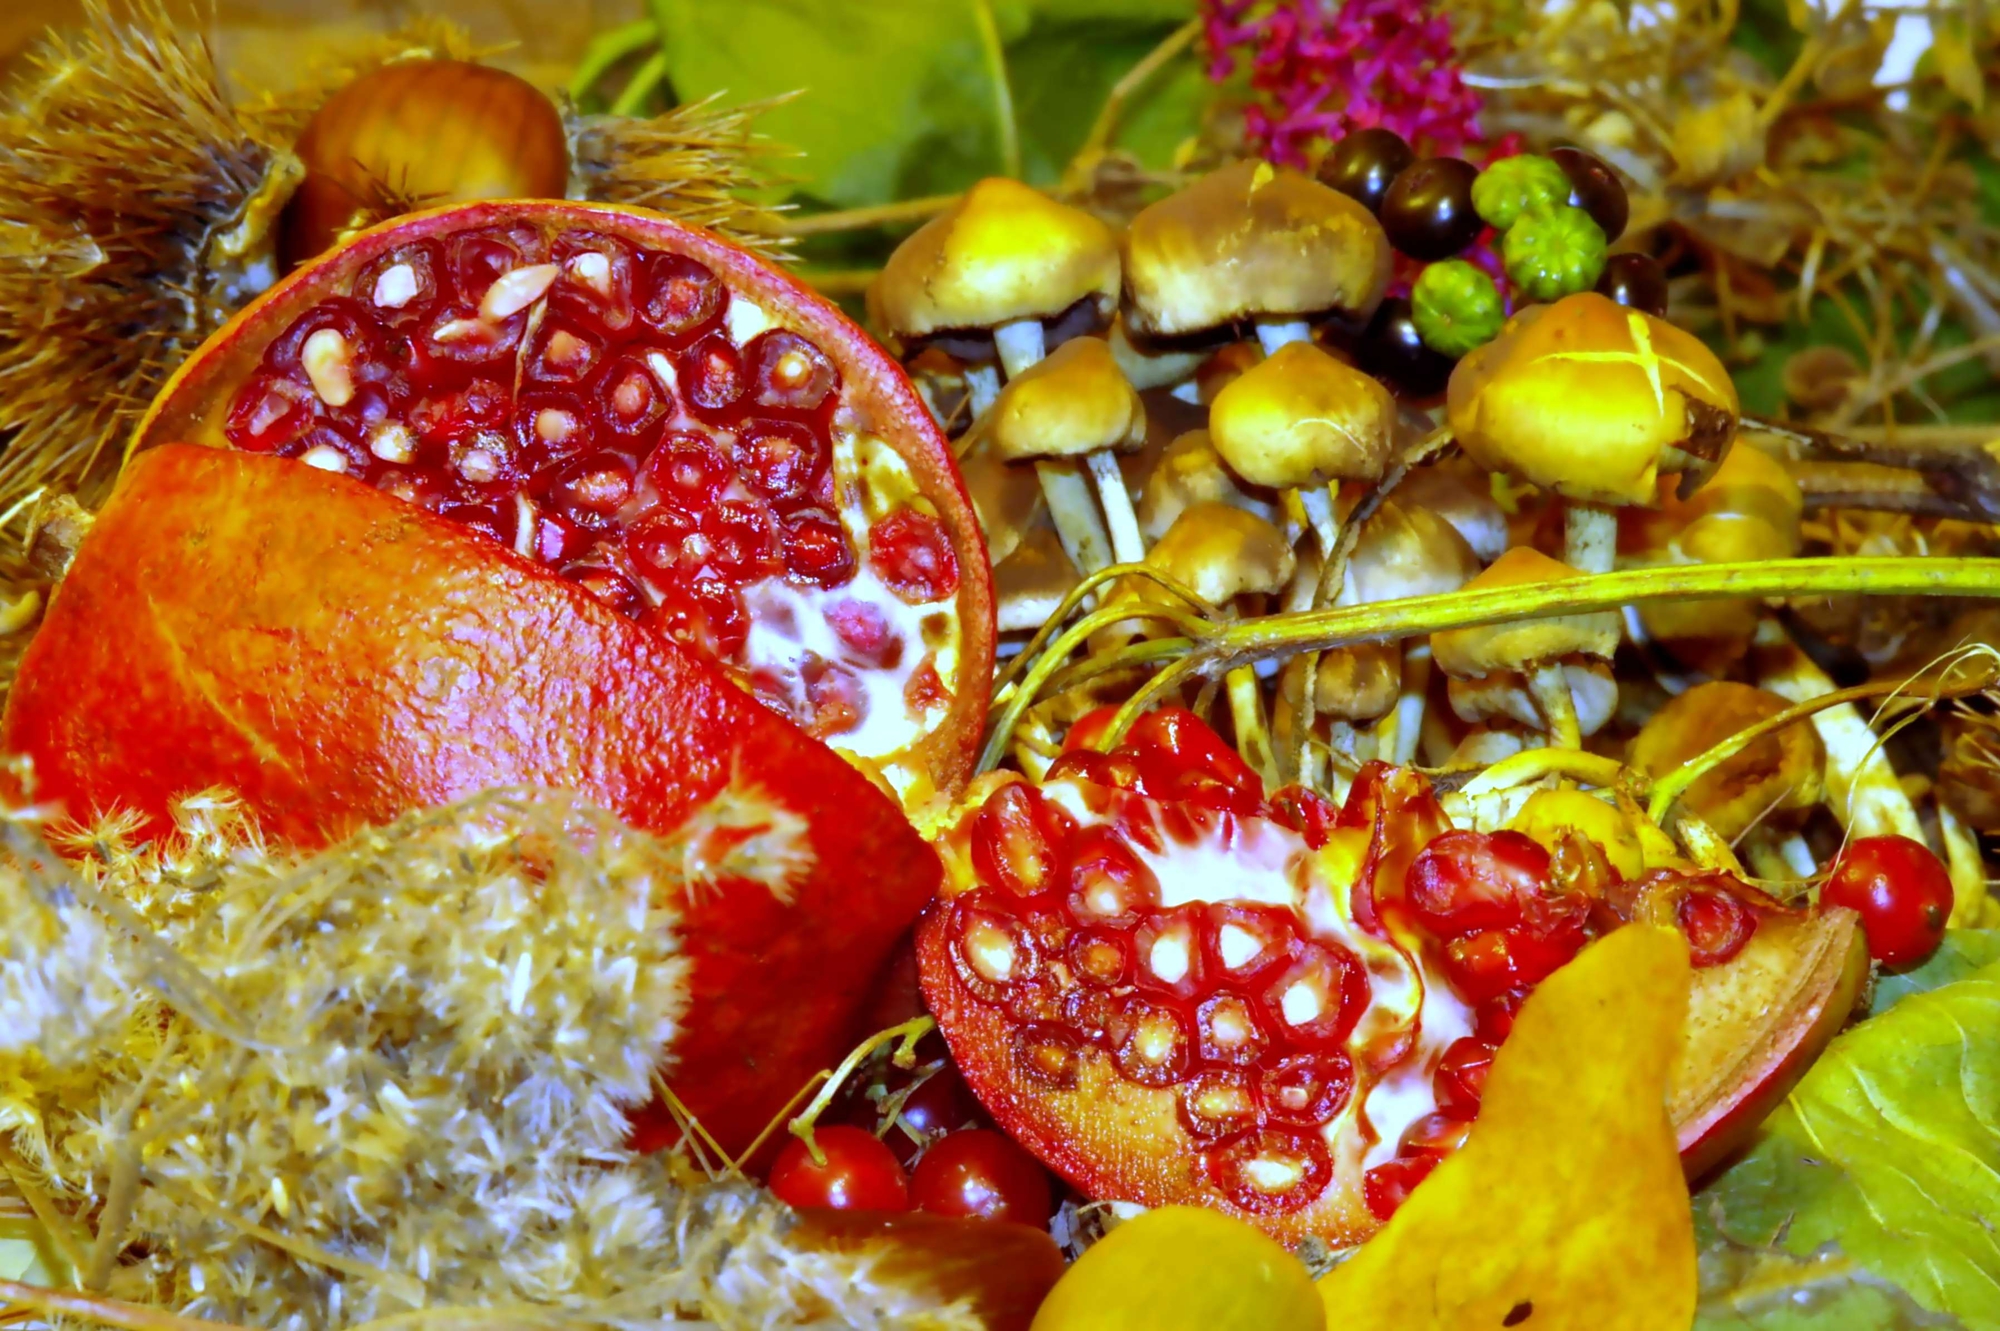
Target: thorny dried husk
(293, 1093)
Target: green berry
(1456, 307)
(1553, 254)
(1514, 187)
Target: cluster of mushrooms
(1183, 394)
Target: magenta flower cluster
(1324, 67)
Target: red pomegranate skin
(337, 657)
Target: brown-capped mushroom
(1774, 775)
(1748, 510)
(1191, 472)
(1070, 412)
(1460, 491)
(1553, 673)
(1302, 420)
(1220, 552)
(1008, 499)
(1252, 242)
(1003, 259)
(1593, 401)
(1152, 366)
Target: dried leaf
(1567, 1207)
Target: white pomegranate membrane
(1213, 955)
(620, 417)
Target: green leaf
(1745, 1290)
(1062, 73)
(1888, 1153)
(1964, 952)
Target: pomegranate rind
(193, 405)
(335, 657)
(1757, 1023)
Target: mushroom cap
(1504, 696)
(1074, 401)
(1002, 252)
(1487, 649)
(1359, 683)
(1030, 584)
(1191, 472)
(1404, 551)
(1007, 499)
(1152, 367)
(1251, 239)
(1748, 509)
(1593, 400)
(1781, 771)
(1303, 418)
(1459, 491)
(1219, 553)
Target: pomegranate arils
(631, 399)
(1048, 1055)
(400, 287)
(1248, 941)
(682, 297)
(268, 413)
(1271, 1172)
(1153, 1044)
(1460, 1079)
(605, 583)
(1228, 1032)
(913, 555)
(1387, 1186)
(667, 544)
(1108, 885)
(1316, 1001)
(1020, 841)
(1716, 923)
(1167, 953)
(1216, 1105)
(457, 335)
(688, 470)
(743, 540)
(864, 631)
(707, 614)
(477, 259)
(560, 354)
(1179, 758)
(598, 282)
(816, 548)
(711, 374)
(1100, 957)
(1485, 965)
(1307, 1090)
(993, 949)
(1464, 882)
(838, 698)
(790, 372)
(1434, 1134)
(782, 461)
(488, 520)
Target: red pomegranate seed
(1100, 957)
(1464, 881)
(682, 297)
(606, 584)
(789, 371)
(1249, 941)
(1166, 953)
(1387, 1186)
(597, 287)
(667, 544)
(488, 520)
(1271, 1172)
(1181, 758)
(742, 540)
(557, 540)
(689, 471)
(1108, 885)
(400, 288)
(993, 950)
(1020, 842)
(1153, 1044)
(1315, 1001)
(561, 354)
(456, 335)
(1048, 1055)
(782, 461)
(711, 375)
(1216, 1105)
(593, 489)
(268, 413)
(632, 400)
(1434, 1134)
(1460, 1079)
(706, 614)
(1094, 1014)
(864, 631)
(1494, 1019)
(838, 698)
(477, 259)
(1717, 925)
(1306, 812)
(1486, 965)
(1307, 1090)
(925, 688)
(914, 556)
(1227, 1031)
(816, 548)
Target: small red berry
(1902, 893)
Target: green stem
(607, 49)
(1003, 91)
(1076, 597)
(909, 1032)
(645, 81)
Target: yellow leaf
(1957, 64)
(1567, 1210)
(1181, 1268)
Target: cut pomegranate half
(1287, 1012)
(689, 435)
(502, 474)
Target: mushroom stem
(1317, 500)
(1967, 868)
(1274, 333)
(1407, 721)
(1861, 786)
(1590, 537)
(983, 383)
(1073, 508)
(1122, 524)
(1020, 344)
(1549, 687)
(1253, 733)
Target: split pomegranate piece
(1287, 1011)
(694, 439)
(519, 493)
